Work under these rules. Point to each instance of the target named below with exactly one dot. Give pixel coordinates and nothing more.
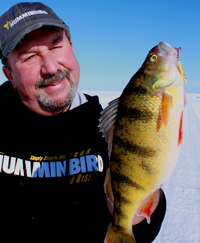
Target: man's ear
(9, 76)
(71, 44)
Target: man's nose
(49, 65)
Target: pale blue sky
(111, 38)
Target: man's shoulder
(9, 99)
(94, 101)
(6, 89)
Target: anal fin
(145, 207)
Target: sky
(111, 38)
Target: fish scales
(145, 138)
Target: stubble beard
(60, 104)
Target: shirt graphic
(78, 168)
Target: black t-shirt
(52, 172)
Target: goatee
(56, 105)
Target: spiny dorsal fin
(107, 122)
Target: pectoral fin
(166, 107)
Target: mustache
(50, 79)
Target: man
(53, 158)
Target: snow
(182, 190)
(182, 220)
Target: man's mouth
(54, 80)
(54, 83)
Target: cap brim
(13, 42)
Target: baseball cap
(21, 19)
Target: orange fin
(145, 207)
(166, 107)
(180, 137)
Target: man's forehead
(45, 30)
(53, 33)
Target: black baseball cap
(21, 19)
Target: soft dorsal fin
(107, 122)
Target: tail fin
(114, 236)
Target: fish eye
(153, 58)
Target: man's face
(45, 71)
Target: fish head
(162, 68)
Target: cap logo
(7, 24)
(16, 20)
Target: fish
(144, 132)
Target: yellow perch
(143, 128)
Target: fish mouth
(167, 49)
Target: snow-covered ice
(182, 190)
(182, 220)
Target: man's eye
(56, 47)
(31, 57)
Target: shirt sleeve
(144, 232)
